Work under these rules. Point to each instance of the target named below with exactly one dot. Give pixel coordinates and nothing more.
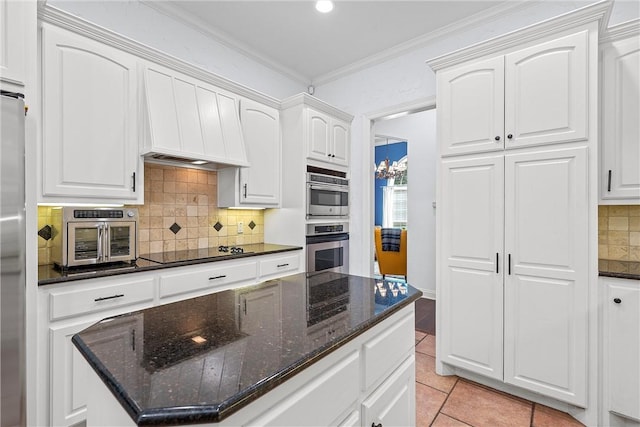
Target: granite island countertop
(200, 360)
(619, 269)
(48, 274)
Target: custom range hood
(189, 122)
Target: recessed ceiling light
(324, 6)
(199, 162)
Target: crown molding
(421, 41)
(304, 99)
(621, 31)
(60, 18)
(596, 12)
(176, 13)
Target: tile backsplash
(187, 198)
(619, 233)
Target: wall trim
(311, 101)
(621, 31)
(62, 19)
(596, 12)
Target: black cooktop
(170, 257)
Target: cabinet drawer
(279, 265)
(73, 303)
(386, 351)
(203, 278)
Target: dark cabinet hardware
(218, 277)
(245, 306)
(134, 182)
(509, 265)
(617, 300)
(245, 191)
(133, 340)
(510, 136)
(497, 262)
(329, 155)
(111, 297)
(609, 181)
(282, 265)
(333, 155)
(497, 138)
(376, 425)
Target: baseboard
(429, 294)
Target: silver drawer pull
(218, 277)
(282, 265)
(111, 297)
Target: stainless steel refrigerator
(12, 260)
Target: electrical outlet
(240, 227)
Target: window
(395, 199)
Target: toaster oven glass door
(84, 245)
(121, 241)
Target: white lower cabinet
(514, 269)
(621, 352)
(68, 308)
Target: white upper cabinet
(471, 107)
(90, 121)
(537, 95)
(328, 138)
(620, 164)
(190, 119)
(12, 43)
(259, 184)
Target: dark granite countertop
(199, 360)
(620, 269)
(48, 275)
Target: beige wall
(619, 233)
(187, 197)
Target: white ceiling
(293, 38)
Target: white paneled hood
(188, 121)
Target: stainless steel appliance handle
(340, 188)
(106, 255)
(100, 243)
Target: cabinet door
(547, 280)
(394, 402)
(471, 107)
(471, 263)
(620, 174)
(623, 351)
(90, 132)
(12, 41)
(318, 135)
(68, 372)
(546, 92)
(340, 142)
(260, 183)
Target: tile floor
(456, 402)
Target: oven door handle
(100, 243)
(106, 255)
(339, 188)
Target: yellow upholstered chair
(390, 262)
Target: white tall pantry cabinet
(517, 198)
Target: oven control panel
(333, 228)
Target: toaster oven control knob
(130, 214)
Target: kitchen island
(330, 349)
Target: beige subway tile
(143, 210)
(155, 234)
(231, 240)
(192, 221)
(155, 222)
(143, 235)
(240, 240)
(203, 221)
(169, 245)
(155, 197)
(181, 187)
(157, 186)
(155, 246)
(213, 242)
(224, 232)
(169, 211)
(603, 210)
(203, 200)
(232, 220)
(182, 175)
(169, 198)
(144, 222)
(181, 245)
(634, 253)
(43, 256)
(618, 211)
(169, 175)
(224, 241)
(154, 174)
(203, 177)
(182, 233)
(180, 211)
(203, 232)
(169, 187)
(168, 221)
(181, 221)
(634, 238)
(212, 178)
(143, 248)
(618, 238)
(634, 210)
(603, 223)
(192, 211)
(618, 223)
(203, 211)
(634, 223)
(619, 253)
(168, 235)
(203, 242)
(192, 243)
(181, 199)
(192, 175)
(156, 209)
(192, 233)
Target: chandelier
(389, 170)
